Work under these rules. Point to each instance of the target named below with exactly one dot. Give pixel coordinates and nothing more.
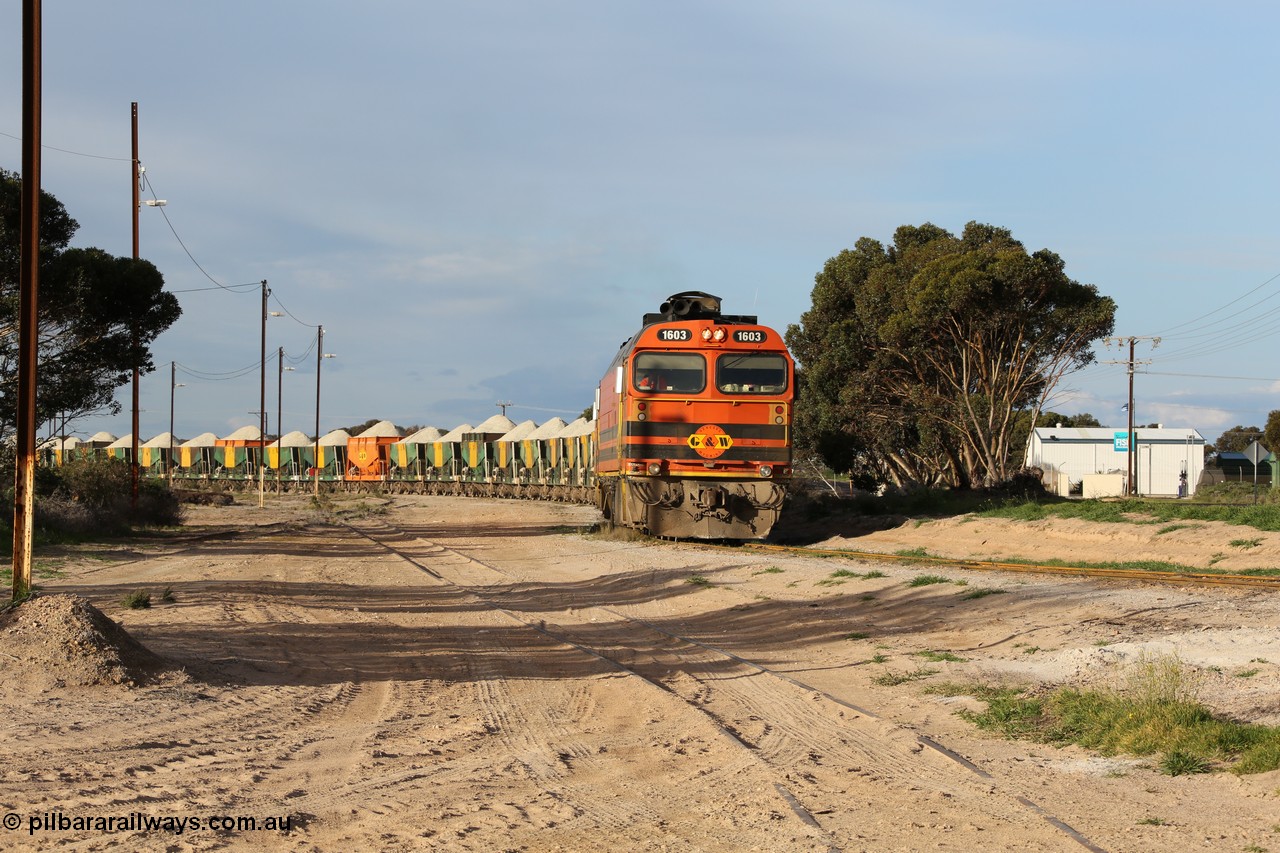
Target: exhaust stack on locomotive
(694, 424)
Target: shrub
(157, 505)
(92, 496)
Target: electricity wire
(235, 288)
(75, 153)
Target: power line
(290, 313)
(68, 151)
(230, 289)
(213, 376)
(1210, 376)
(1224, 307)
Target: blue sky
(479, 200)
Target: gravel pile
(63, 641)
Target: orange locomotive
(693, 424)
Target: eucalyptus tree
(98, 314)
(917, 358)
(1271, 432)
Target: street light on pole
(262, 403)
(279, 409)
(174, 385)
(321, 355)
(280, 394)
(138, 170)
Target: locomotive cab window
(751, 373)
(669, 373)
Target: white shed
(1163, 457)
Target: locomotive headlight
(655, 468)
(766, 470)
(706, 334)
(776, 420)
(719, 335)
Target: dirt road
(481, 675)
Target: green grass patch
(931, 655)
(1155, 713)
(857, 635)
(1246, 544)
(913, 552)
(893, 679)
(1207, 506)
(698, 580)
(841, 575)
(874, 573)
(1144, 566)
(927, 580)
(1179, 763)
(769, 570)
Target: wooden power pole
(28, 288)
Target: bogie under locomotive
(693, 424)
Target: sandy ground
(434, 674)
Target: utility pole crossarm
(1131, 477)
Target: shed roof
(121, 442)
(102, 437)
(1106, 435)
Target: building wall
(1162, 456)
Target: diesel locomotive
(693, 424)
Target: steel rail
(1152, 575)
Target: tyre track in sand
(831, 759)
(564, 742)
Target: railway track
(811, 739)
(1148, 575)
(582, 496)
